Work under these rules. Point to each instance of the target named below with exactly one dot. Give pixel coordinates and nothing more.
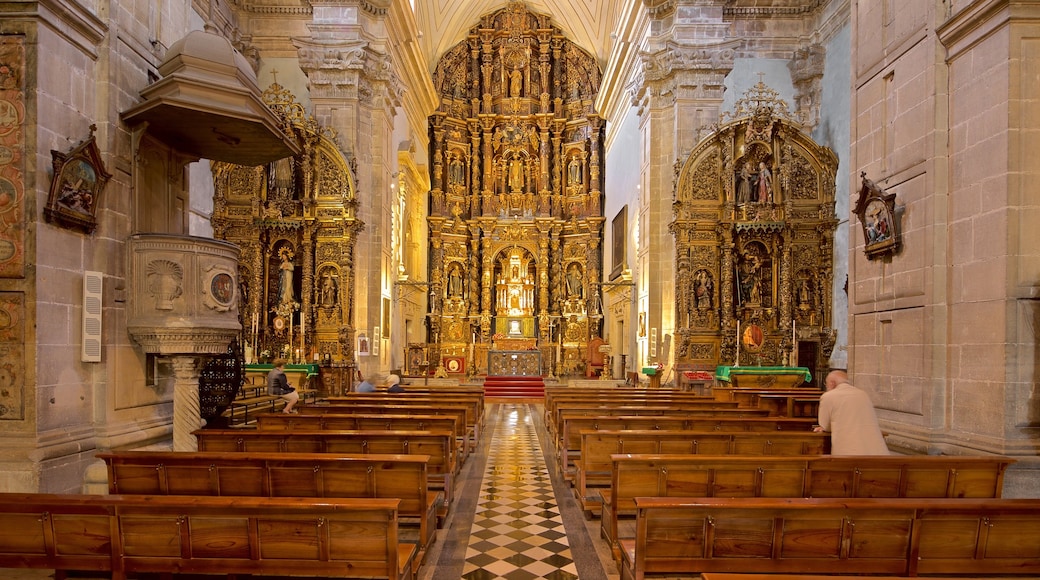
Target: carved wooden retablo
(754, 229)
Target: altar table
(526, 363)
(763, 377)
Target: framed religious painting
(877, 217)
(619, 234)
(76, 186)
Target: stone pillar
(355, 91)
(186, 417)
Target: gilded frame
(76, 186)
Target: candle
(737, 362)
(290, 333)
(303, 332)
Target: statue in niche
(455, 282)
(516, 175)
(285, 277)
(574, 287)
(765, 183)
(804, 295)
(574, 171)
(516, 83)
(703, 290)
(329, 289)
(456, 172)
(745, 183)
(751, 278)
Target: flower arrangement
(265, 353)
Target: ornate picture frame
(877, 218)
(619, 234)
(76, 186)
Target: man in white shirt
(848, 415)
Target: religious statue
(574, 171)
(703, 289)
(455, 283)
(285, 277)
(574, 286)
(329, 289)
(750, 280)
(745, 184)
(516, 175)
(516, 83)
(765, 183)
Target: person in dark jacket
(278, 384)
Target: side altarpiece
(515, 221)
(295, 220)
(754, 237)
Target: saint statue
(285, 277)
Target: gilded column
(307, 286)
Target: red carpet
(515, 387)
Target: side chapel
(754, 226)
(296, 222)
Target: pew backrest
(337, 537)
(897, 536)
(279, 475)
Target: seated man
(393, 384)
(365, 386)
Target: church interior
(648, 194)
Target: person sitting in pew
(847, 413)
(393, 384)
(365, 386)
(278, 384)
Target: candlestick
(303, 332)
(737, 362)
(290, 334)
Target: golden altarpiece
(515, 219)
(754, 235)
(296, 222)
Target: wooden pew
(593, 466)
(282, 475)
(807, 476)
(366, 421)
(796, 402)
(134, 534)
(465, 431)
(555, 397)
(439, 445)
(697, 420)
(632, 407)
(473, 401)
(894, 536)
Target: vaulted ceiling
(588, 23)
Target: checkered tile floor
(517, 532)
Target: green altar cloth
(792, 376)
(312, 370)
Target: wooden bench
(894, 536)
(631, 407)
(439, 445)
(465, 431)
(696, 420)
(474, 402)
(281, 475)
(133, 534)
(808, 476)
(593, 468)
(363, 421)
(798, 399)
(553, 398)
